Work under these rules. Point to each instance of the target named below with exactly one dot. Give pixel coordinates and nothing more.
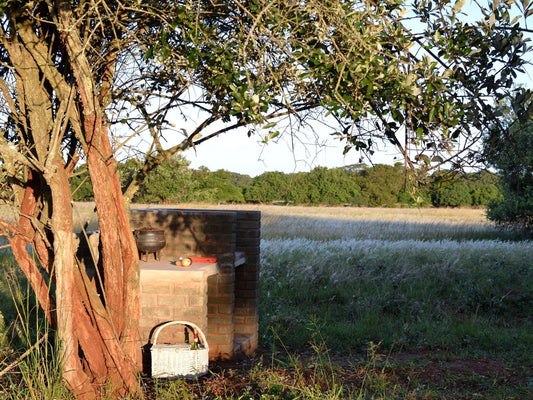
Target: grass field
(380, 304)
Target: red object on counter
(186, 262)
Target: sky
(236, 152)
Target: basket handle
(190, 324)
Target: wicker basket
(178, 360)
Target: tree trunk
(67, 306)
(118, 255)
(98, 330)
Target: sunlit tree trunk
(118, 250)
(97, 327)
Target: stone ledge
(169, 270)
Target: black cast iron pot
(149, 240)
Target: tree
(85, 80)
(484, 187)
(450, 189)
(80, 185)
(510, 151)
(485, 195)
(220, 185)
(331, 186)
(53, 109)
(419, 106)
(381, 184)
(170, 182)
(455, 195)
(268, 187)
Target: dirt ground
(425, 374)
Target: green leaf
(273, 134)
(269, 125)
(432, 114)
(150, 53)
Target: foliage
(455, 195)
(331, 186)
(366, 64)
(511, 152)
(376, 186)
(80, 185)
(171, 181)
(448, 189)
(222, 185)
(484, 188)
(268, 187)
(423, 113)
(381, 184)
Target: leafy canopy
(419, 75)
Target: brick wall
(222, 302)
(247, 281)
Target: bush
(81, 186)
(268, 187)
(511, 152)
(456, 195)
(513, 208)
(484, 195)
(381, 185)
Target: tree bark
(98, 334)
(118, 254)
(65, 293)
(25, 233)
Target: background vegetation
(510, 151)
(358, 185)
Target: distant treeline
(358, 185)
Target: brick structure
(221, 298)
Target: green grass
(405, 293)
(464, 291)
(29, 362)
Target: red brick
(219, 339)
(173, 301)
(224, 308)
(225, 329)
(158, 312)
(220, 319)
(197, 301)
(188, 289)
(148, 300)
(155, 287)
(245, 311)
(190, 314)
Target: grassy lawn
(367, 303)
(417, 282)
